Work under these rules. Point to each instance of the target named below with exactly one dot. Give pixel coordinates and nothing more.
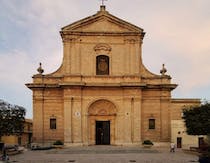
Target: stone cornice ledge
(65, 34)
(34, 85)
(72, 84)
(135, 84)
(161, 86)
(186, 100)
(83, 84)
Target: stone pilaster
(68, 106)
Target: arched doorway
(101, 116)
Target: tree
(197, 119)
(12, 118)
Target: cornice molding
(105, 85)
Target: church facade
(102, 93)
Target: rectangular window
(151, 123)
(102, 65)
(52, 123)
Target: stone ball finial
(163, 70)
(40, 70)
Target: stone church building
(102, 93)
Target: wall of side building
(24, 139)
(179, 135)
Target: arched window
(102, 65)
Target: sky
(177, 34)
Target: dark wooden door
(201, 142)
(102, 132)
(179, 142)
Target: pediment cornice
(85, 25)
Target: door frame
(92, 128)
(101, 110)
(179, 142)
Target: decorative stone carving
(131, 40)
(102, 107)
(102, 47)
(163, 70)
(40, 69)
(68, 38)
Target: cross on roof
(102, 1)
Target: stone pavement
(105, 154)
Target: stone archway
(101, 111)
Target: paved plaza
(105, 154)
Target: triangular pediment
(102, 22)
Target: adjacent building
(24, 139)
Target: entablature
(103, 85)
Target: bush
(147, 142)
(58, 142)
(205, 156)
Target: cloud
(13, 67)
(16, 69)
(177, 34)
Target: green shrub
(147, 142)
(58, 142)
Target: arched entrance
(101, 116)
